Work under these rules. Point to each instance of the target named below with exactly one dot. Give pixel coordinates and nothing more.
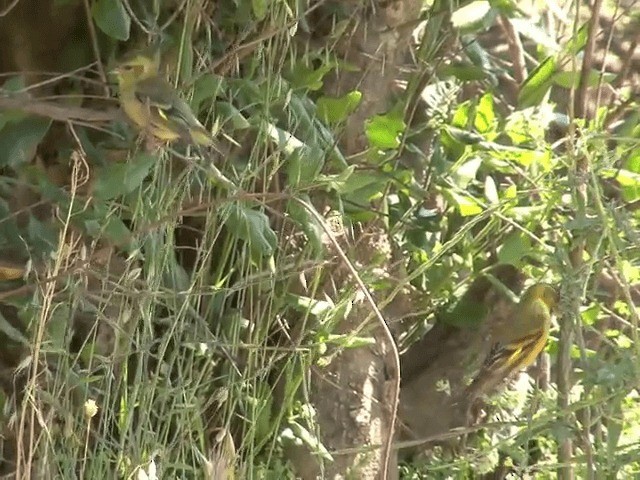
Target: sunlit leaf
(573, 79)
(535, 87)
(485, 118)
(466, 205)
(464, 173)
(304, 76)
(490, 190)
(384, 131)
(527, 28)
(514, 249)
(462, 116)
(336, 110)
(471, 16)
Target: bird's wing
(156, 93)
(518, 353)
(160, 96)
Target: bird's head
(136, 67)
(543, 292)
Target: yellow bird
(520, 342)
(153, 105)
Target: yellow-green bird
(153, 105)
(519, 342)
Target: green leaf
(311, 440)
(101, 222)
(260, 8)
(14, 84)
(462, 116)
(185, 67)
(466, 312)
(365, 180)
(117, 233)
(536, 86)
(309, 224)
(112, 18)
(310, 129)
(572, 79)
(336, 110)
(175, 278)
(42, 237)
(251, 226)
(338, 182)
(118, 179)
(542, 159)
(10, 234)
(466, 172)
(529, 125)
(205, 87)
(529, 29)
(19, 140)
(304, 76)
(471, 17)
(630, 183)
(467, 206)
(577, 42)
(615, 425)
(304, 166)
(463, 136)
(632, 163)
(57, 327)
(590, 314)
(485, 118)
(383, 131)
(12, 332)
(514, 249)
(302, 304)
(491, 190)
(285, 141)
(228, 113)
(464, 72)
(11, 85)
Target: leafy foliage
(192, 314)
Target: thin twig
(11, 6)
(135, 19)
(55, 77)
(61, 113)
(515, 49)
(395, 356)
(243, 50)
(587, 61)
(95, 47)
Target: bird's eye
(127, 68)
